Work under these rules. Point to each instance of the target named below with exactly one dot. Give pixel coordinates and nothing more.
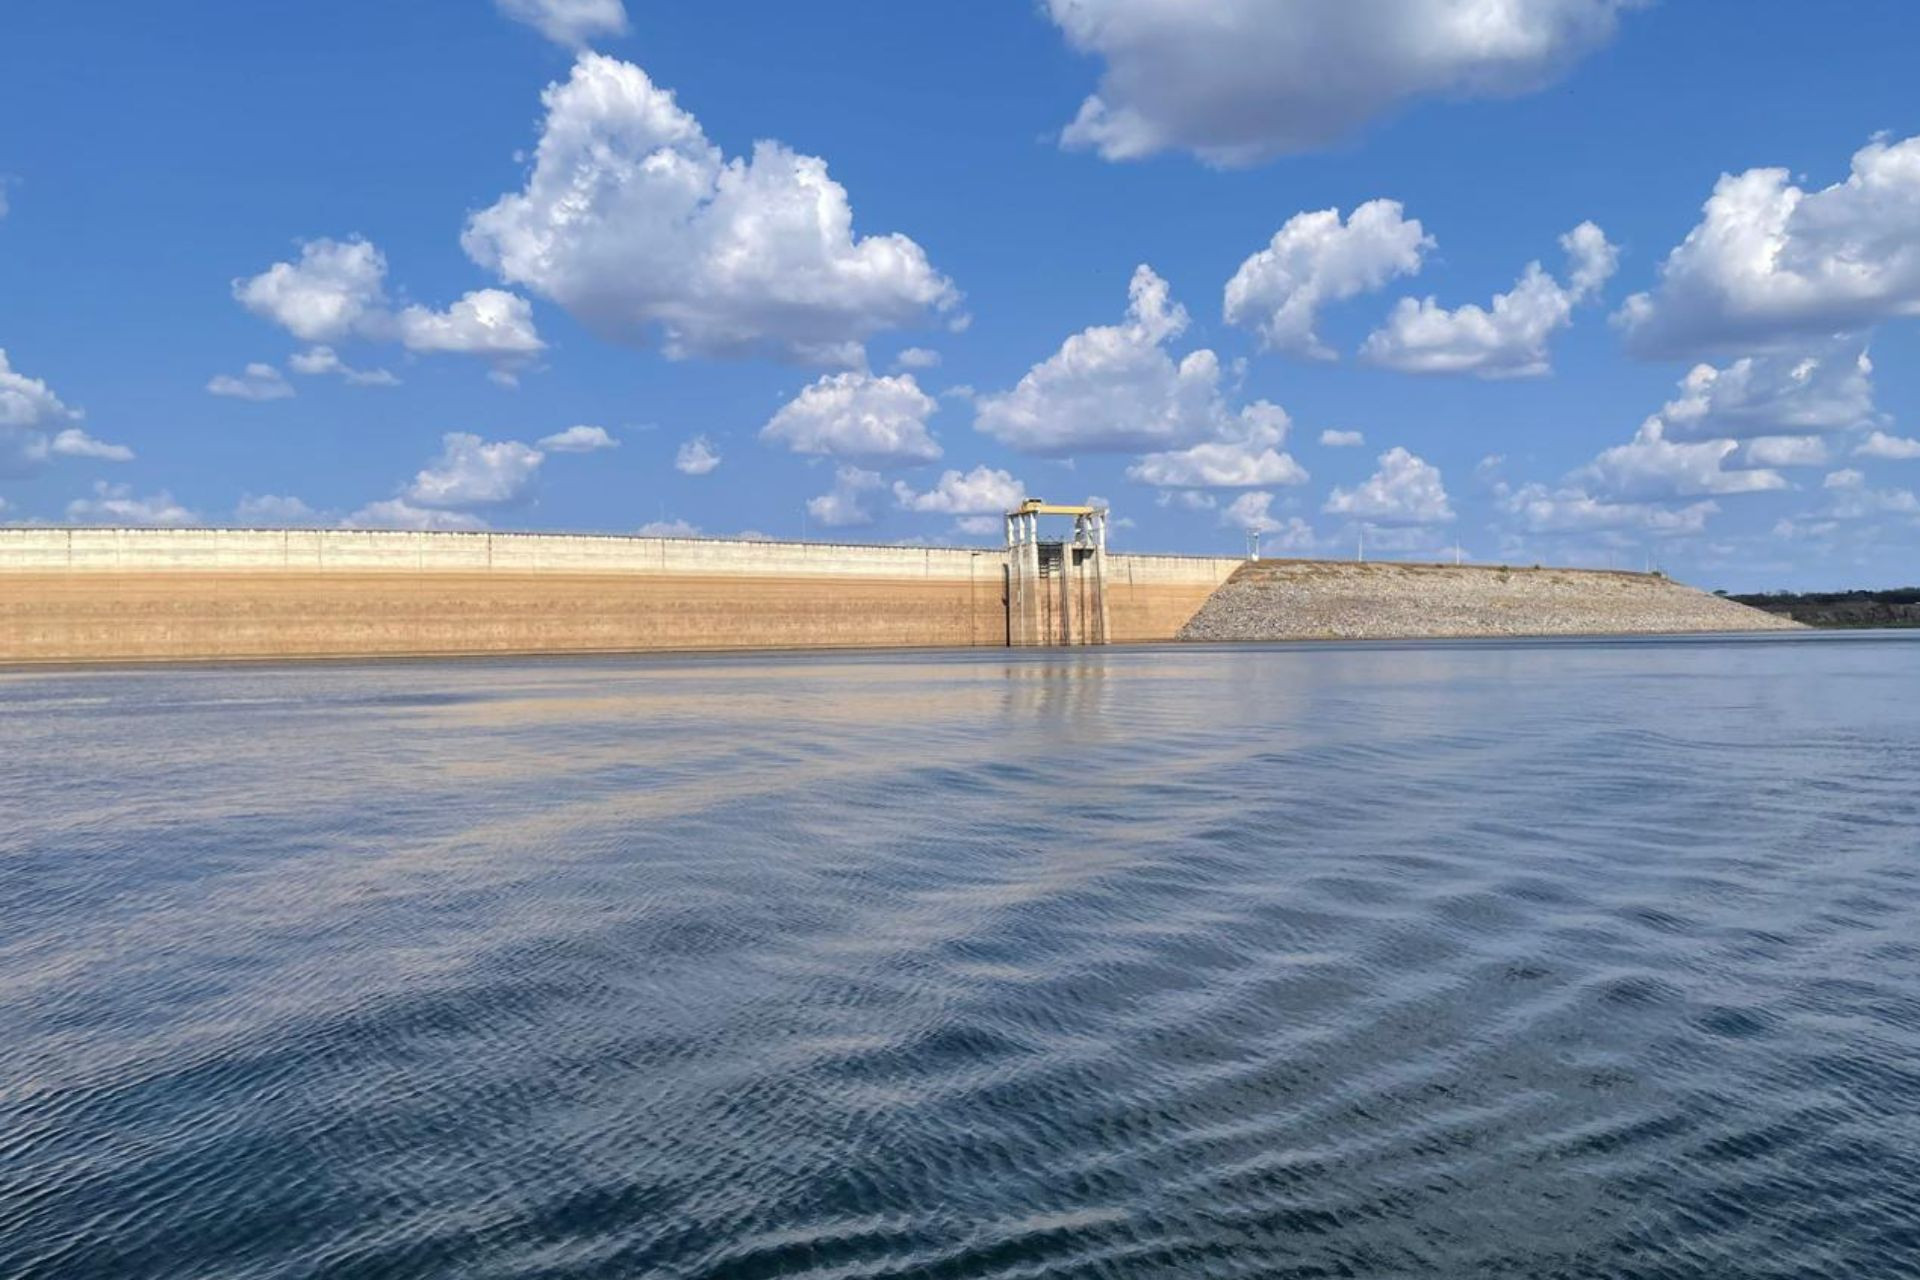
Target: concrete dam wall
(1326, 600)
(103, 595)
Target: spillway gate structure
(1056, 590)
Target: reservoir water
(1531, 959)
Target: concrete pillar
(1011, 570)
(1020, 584)
(1101, 626)
(1066, 593)
(1032, 559)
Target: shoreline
(1030, 654)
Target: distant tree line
(1899, 607)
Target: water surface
(1557, 959)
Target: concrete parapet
(404, 551)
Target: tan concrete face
(194, 615)
(1149, 598)
(130, 595)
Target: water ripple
(1557, 960)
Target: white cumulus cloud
(117, 504)
(1857, 502)
(1652, 466)
(675, 528)
(1332, 439)
(635, 222)
(696, 457)
(1292, 534)
(983, 491)
(572, 23)
(487, 322)
(1253, 513)
(1572, 510)
(1186, 499)
(1248, 458)
(1114, 388)
(329, 294)
(31, 430)
(581, 439)
(337, 290)
(1822, 388)
(471, 472)
(1315, 259)
(1779, 406)
(1406, 490)
(29, 402)
(1772, 263)
(917, 358)
(845, 505)
(72, 442)
(323, 360)
(398, 513)
(858, 417)
(1786, 451)
(1237, 82)
(1506, 340)
(257, 382)
(1893, 448)
(1803, 529)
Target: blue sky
(321, 264)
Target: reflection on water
(1530, 959)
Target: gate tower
(1056, 591)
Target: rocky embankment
(1330, 600)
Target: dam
(77, 595)
(134, 595)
